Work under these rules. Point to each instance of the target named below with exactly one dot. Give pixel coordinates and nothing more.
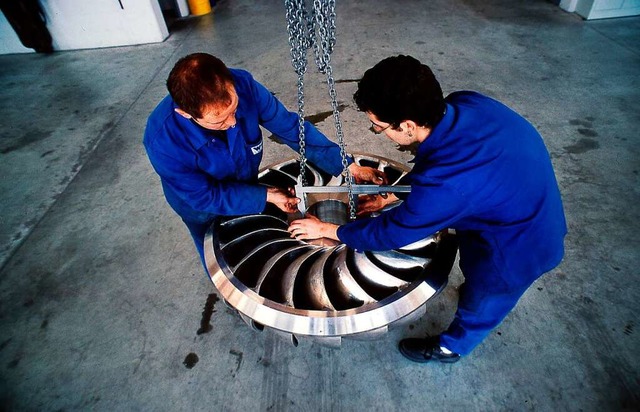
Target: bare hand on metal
(373, 203)
(363, 174)
(312, 228)
(285, 200)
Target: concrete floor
(102, 294)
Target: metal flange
(321, 290)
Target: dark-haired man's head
(202, 87)
(401, 88)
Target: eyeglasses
(377, 129)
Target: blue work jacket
(205, 174)
(484, 171)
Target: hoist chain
(316, 30)
(297, 27)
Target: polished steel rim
(324, 290)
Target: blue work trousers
(486, 297)
(198, 231)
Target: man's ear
(408, 125)
(182, 113)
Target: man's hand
(312, 228)
(284, 199)
(367, 174)
(373, 203)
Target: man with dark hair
(481, 169)
(205, 142)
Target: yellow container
(199, 7)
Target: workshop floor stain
(207, 312)
(320, 117)
(313, 119)
(582, 146)
(588, 132)
(29, 137)
(4, 344)
(191, 360)
(238, 356)
(628, 329)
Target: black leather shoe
(425, 350)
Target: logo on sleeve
(256, 149)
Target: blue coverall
(484, 171)
(205, 173)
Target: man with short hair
(481, 169)
(205, 143)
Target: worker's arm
(203, 193)
(313, 228)
(429, 208)
(284, 125)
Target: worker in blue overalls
(205, 142)
(481, 169)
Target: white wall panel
(602, 9)
(83, 24)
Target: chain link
(299, 42)
(316, 30)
